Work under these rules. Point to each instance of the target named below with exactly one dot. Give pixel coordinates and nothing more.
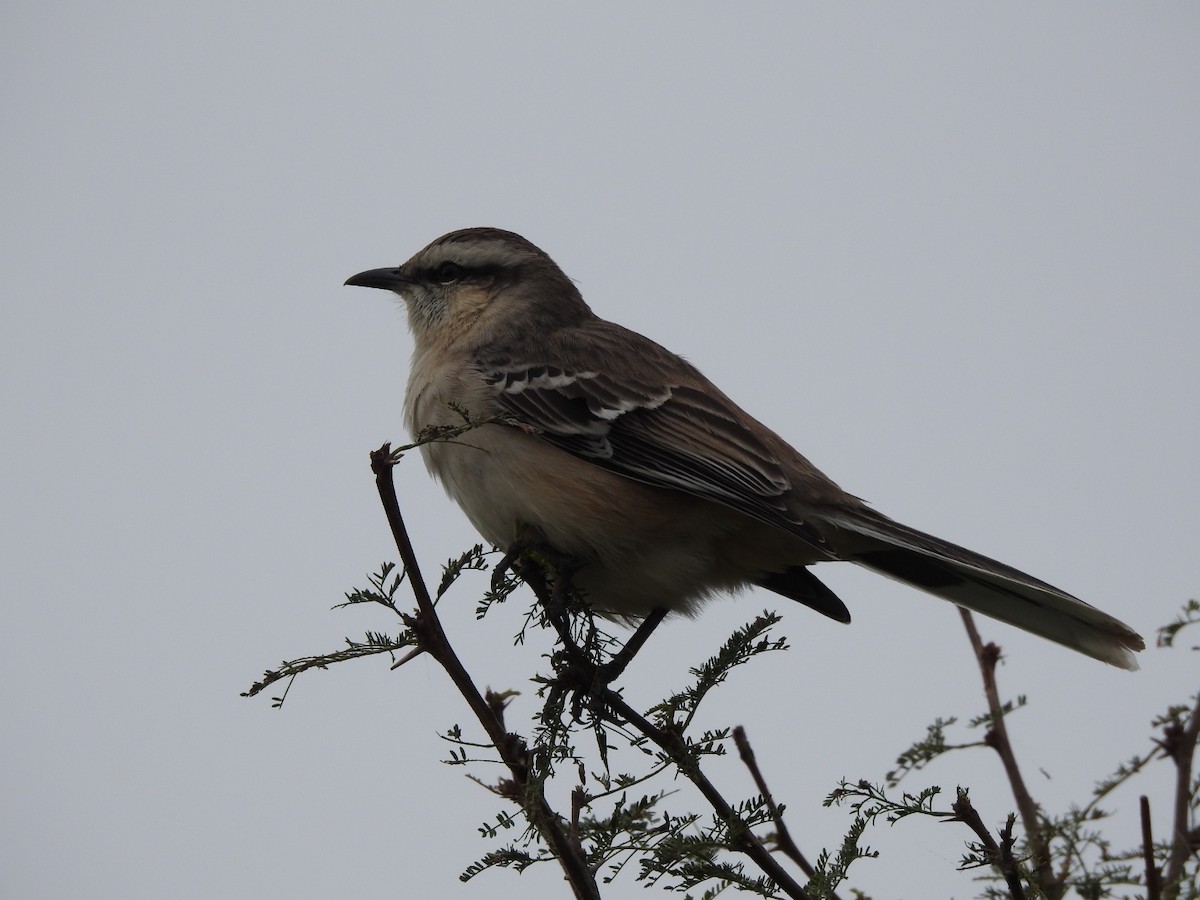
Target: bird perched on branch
(618, 453)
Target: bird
(621, 455)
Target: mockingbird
(621, 455)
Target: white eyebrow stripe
(475, 254)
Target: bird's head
(477, 273)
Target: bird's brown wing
(619, 400)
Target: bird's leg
(534, 562)
(548, 572)
(508, 563)
(592, 679)
(611, 670)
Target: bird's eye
(448, 273)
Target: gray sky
(950, 251)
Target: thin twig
(742, 837)
(1153, 885)
(511, 748)
(988, 655)
(999, 854)
(292, 668)
(782, 835)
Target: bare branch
(783, 836)
(743, 838)
(1153, 885)
(1180, 744)
(987, 656)
(511, 748)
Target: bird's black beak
(387, 279)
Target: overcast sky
(951, 252)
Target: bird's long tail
(986, 586)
